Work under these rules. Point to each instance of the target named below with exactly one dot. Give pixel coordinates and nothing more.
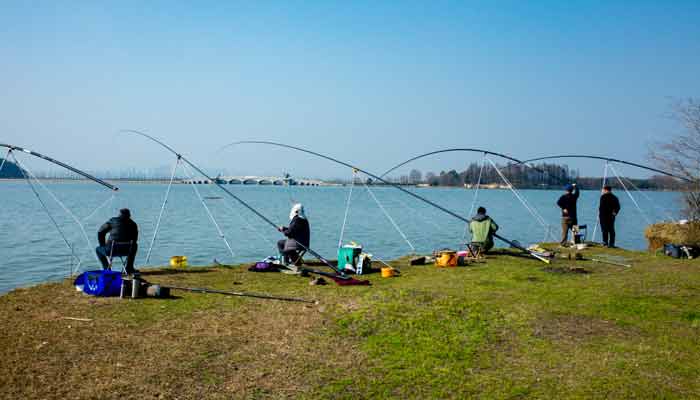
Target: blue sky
(369, 82)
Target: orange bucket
(388, 272)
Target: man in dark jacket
(298, 235)
(123, 235)
(607, 211)
(567, 203)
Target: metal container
(135, 286)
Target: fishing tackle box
(349, 254)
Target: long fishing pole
(61, 164)
(610, 160)
(241, 294)
(421, 198)
(238, 199)
(472, 150)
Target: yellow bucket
(388, 272)
(447, 259)
(178, 261)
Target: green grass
(503, 329)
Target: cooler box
(348, 254)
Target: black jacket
(609, 205)
(120, 229)
(299, 230)
(568, 202)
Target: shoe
(318, 281)
(290, 269)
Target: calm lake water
(31, 250)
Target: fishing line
(11, 148)
(162, 209)
(249, 224)
(630, 195)
(288, 182)
(108, 201)
(443, 209)
(397, 166)
(420, 215)
(238, 199)
(46, 209)
(347, 208)
(5, 159)
(605, 179)
(646, 196)
(524, 202)
(386, 213)
(476, 195)
(61, 164)
(211, 216)
(610, 160)
(59, 202)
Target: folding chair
(475, 250)
(298, 260)
(120, 253)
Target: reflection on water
(32, 251)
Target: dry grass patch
(192, 347)
(567, 329)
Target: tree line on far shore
(538, 176)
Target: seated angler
(123, 236)
(298, 235)
(482, 228)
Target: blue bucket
(104, 283)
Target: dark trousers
(119, 250)
(289, 256)
(566, 224)
(607, 226)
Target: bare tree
(415, 176)
(431, 179)
(681, 155)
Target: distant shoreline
(165, 181)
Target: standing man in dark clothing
(608, 210)
(569, 218)
(123, 235)
(298, 235)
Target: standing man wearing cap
(123, 235)
(607, 211)
(567, 203)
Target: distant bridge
(257, 180)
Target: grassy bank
(506, 328)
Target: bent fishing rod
(472, 150)
(228, 192)
(608, 159)
(421, 198)
(60, 164)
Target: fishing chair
(297, 257)
(120, 253)
(475, 250)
